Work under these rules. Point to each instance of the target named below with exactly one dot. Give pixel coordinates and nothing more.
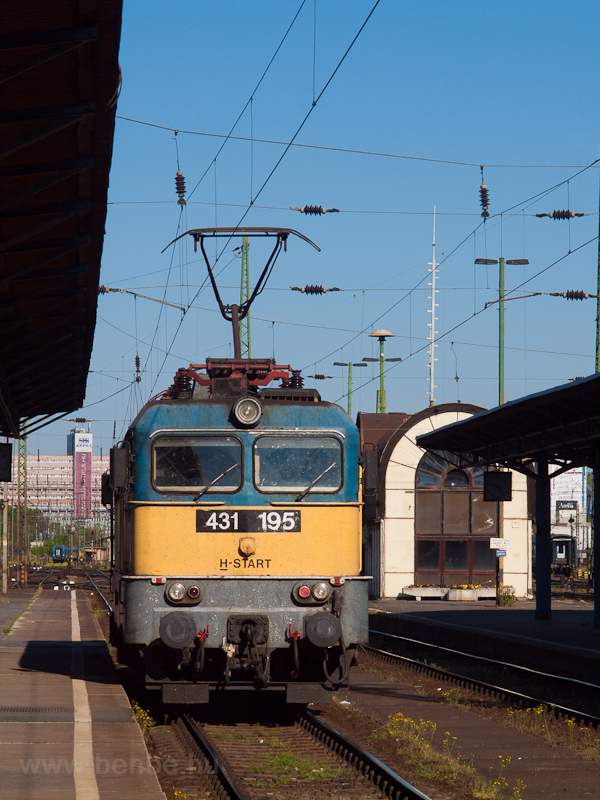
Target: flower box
(418, 592)
(463, 594)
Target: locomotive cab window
(311, 464)
(196, 463)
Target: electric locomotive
(237, 539)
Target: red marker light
(304, 592)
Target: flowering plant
(465, 586)
(442, 586)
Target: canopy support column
(596, 527)
(543, 544)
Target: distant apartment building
(66, 489)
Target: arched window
(456, 477)
(453, 524)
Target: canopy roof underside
(59, 82)
(560, 425)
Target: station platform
(66, 726)
(566, 645)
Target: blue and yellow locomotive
(238, 537)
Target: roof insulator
(297, 381)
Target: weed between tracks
(406, 746)
(569, 733)
(282, 765)
(144, 720)
(539, 721)
(414, 744)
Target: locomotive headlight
(320, 591)
(247, 411)
(176, 592)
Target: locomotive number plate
(247, 521)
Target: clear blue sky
(428, 91)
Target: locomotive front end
(238, 547)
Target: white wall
(398, 528)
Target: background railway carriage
(238, 537)
(61, 553)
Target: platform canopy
(59, 83)
(560, 426)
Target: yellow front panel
(165, 542)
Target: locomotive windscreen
(188, 463)
(293, 463)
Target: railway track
(299, 758)
(77, 578)
(514, 685)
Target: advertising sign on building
(82, 474)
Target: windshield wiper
(212, 483)
(312, 483)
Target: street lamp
(382, 335)
(501, 262)
(349, 364)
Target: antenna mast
(431, 325)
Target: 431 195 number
(250, 521)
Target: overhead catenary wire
(485, 222)
(282, 156)
(472, 316)
(213, 162)
(428, 212)
(352, 151)
(248, 102)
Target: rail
(233, 788)
(494, 690)
(390, 784)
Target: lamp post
(501, 262)
(382, 335)
(349, 364)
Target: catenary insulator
(180, 187)
(561, 214)
(137, 363)
(314, 289)
(574, 294)
(485, 200)
(319, 376)
(315, 210)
